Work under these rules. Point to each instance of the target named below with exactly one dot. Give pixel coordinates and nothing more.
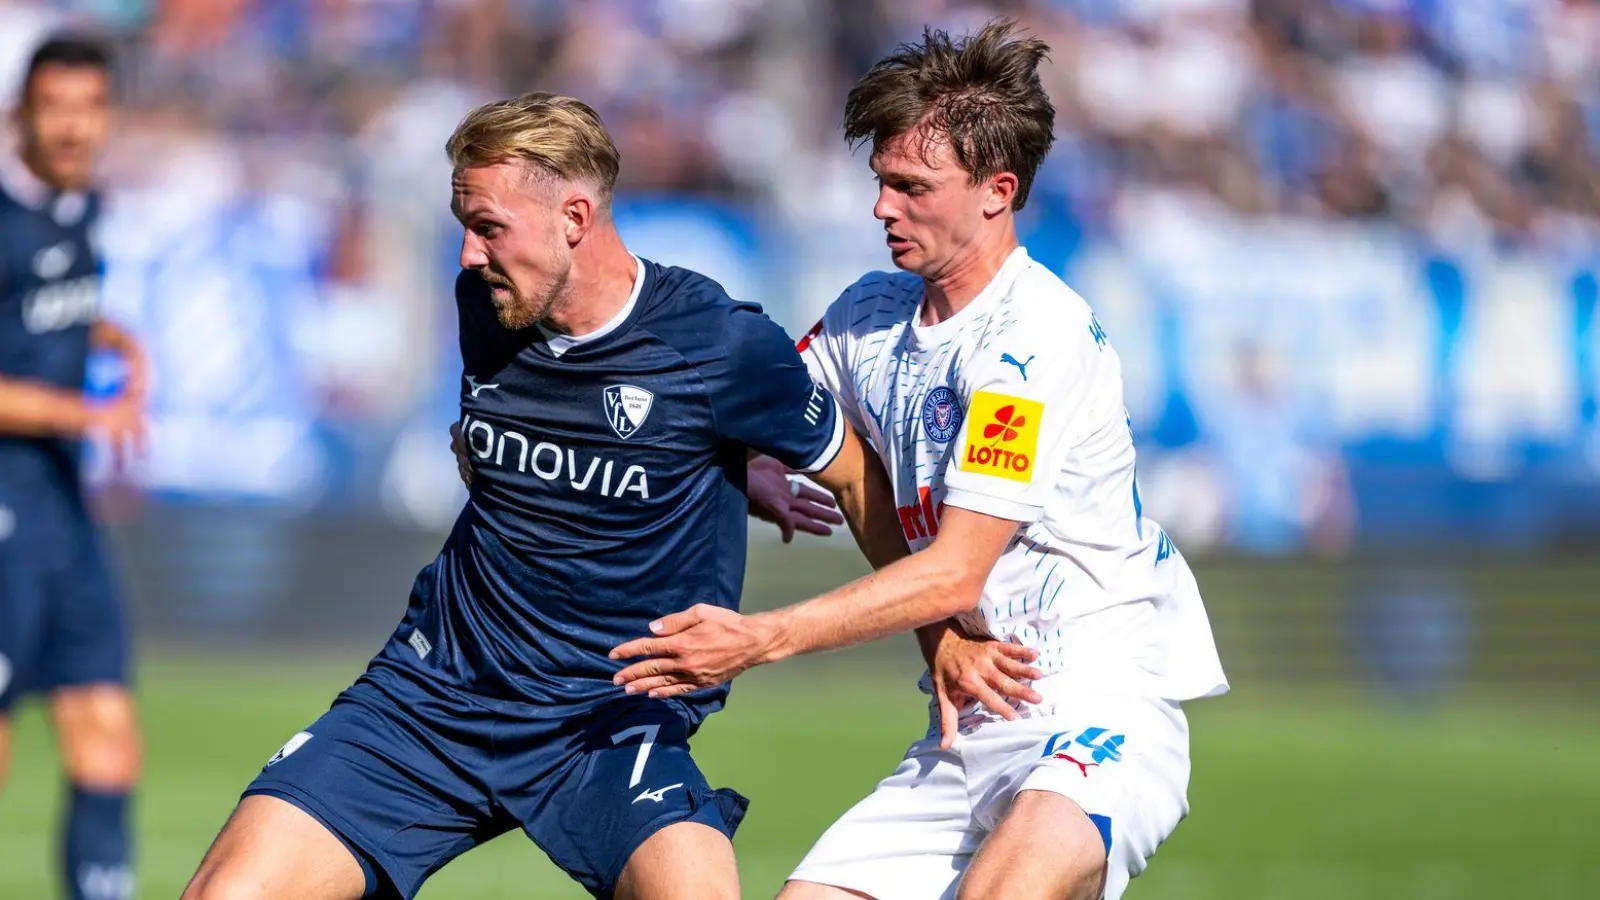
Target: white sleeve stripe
(993, 506)
(830, 452)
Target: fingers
(949, 718)
(654, 682)
(1019, 671)
(807, 525)
(987, 696)
(1010, 687)
(678, 621)
(673, 691)
(641, 647)
(1016, 651)
(811, 495)
(650, 668)
(817, 511)
(787, 527)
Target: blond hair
(558, 136)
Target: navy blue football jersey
(608, 487)
(49, 295)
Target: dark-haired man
(61, 627)
(992, 395)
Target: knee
(1080, 878)
(100, 742)
(108, 759)
(222, 881)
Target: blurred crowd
(1445, 116)
(1267, 174)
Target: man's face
(64, 119)
(515, 238)
(928, 204)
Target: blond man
(609, 408)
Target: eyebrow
(895, 176)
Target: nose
(473, 254)
(884, 209)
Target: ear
(578, 214)
(1002, 191)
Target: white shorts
(1124, 760)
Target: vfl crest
(941, 415)
(626, 408)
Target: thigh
(1046, 848)
(657, 870)
(629, 776)
(25, 564)
(402, 799)
(85, 639)
(271, 848)
(1123, 763)
(805, 890)
(910, 839)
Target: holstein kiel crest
(626, 408)
(941, 414)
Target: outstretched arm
(708, 645)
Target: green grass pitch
(1295, 796)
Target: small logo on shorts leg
(657, 795)
(419, 643)
(295, 743)
(1086, 749)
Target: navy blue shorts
(61, 620)
(410, 784)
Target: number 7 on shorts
(648, 733)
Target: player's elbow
(958, 587)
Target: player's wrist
(774, 636)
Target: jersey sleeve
(764, 397)
(1030, 399)
(825, 350)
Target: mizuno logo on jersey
(553, 463)
(1002, 436)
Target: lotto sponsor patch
(1002, 436)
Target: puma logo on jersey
(657, 795)
(472, 383)
(1022, 367)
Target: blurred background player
(610, 405)
(992, 394)
(62, 631)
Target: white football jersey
(1014, 408)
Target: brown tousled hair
(981, 93)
